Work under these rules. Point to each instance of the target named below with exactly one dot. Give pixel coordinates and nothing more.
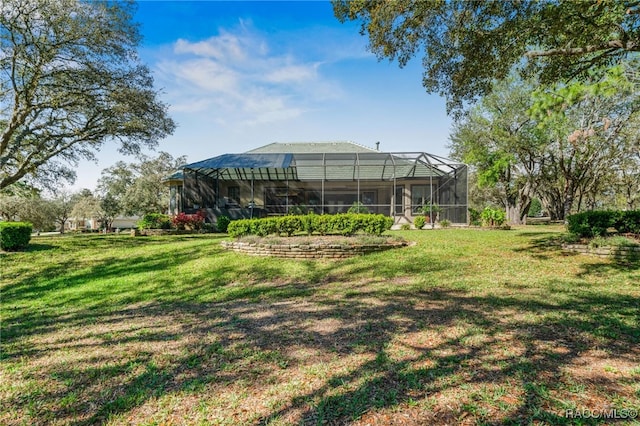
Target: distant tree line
(572, 147)
(125, 189)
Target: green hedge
(595, 223)
(627, 221)
(155, 221)
(341, 224)
(15, 235)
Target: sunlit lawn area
(464, 327)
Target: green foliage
(139, 188)
(92, 88)
(322, 224)
(595, 223)
(287, 225)
(308, 223)
(535, 209)
(434, 209)
(501, 142)
(445, 223)
(469, 45)
(298, 210)
(155, 221)
(627, 221)
(14, 235)
(345, 224)
(339, 224)
(493, 217)
(240, 228)
(419, 222)
(222, 223)
(358, 207)
(475, 217)
(590, 223)
(547, 102)
(405, 227)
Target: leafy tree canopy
(139, 188)
(467, 45)
(71, 81)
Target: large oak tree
(467, 45)
(71, 81)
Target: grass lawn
(464, 327)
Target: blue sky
(238, 75)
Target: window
(368, 197)
(420, 195)
(233, 193)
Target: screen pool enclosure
(257, 184)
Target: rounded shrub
(591, 224)
(419, 222)
(15, 235)
(627, 221)
(222, 223)
(155, 221)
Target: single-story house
(321, 177)
(94, 224)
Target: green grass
(465, 326)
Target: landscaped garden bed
(606, 234)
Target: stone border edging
(617, 252)
(308, 251)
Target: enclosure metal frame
(392, 167)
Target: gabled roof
(311, 148)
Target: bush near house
(155, 221)
(493, 217)
(340, 224)
(595, 223)
(15, 235)
(183, 221)
(222, 223)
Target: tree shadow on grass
(439, 355)
(434, 343)
(546, 348)
(545, 246)
(542, 245)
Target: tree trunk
(568, 202)
(517, 206)
(514, 215)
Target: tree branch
(630, 46)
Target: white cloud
(293, 74)
(225, 47)
(238, 76)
